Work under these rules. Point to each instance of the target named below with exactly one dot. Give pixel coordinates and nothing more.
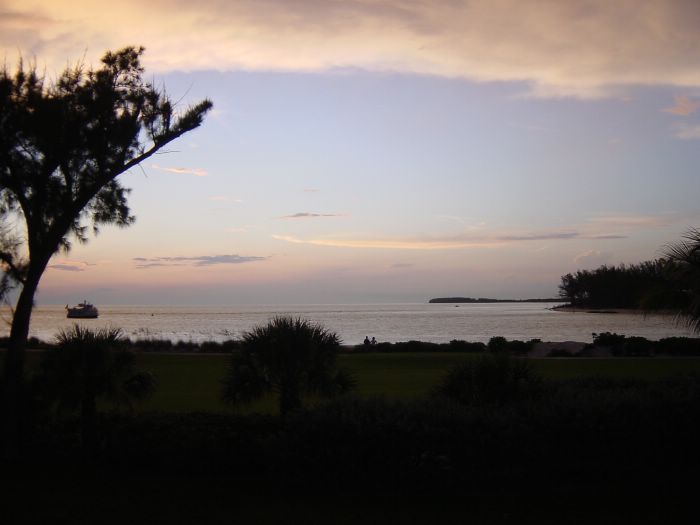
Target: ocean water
(437, 323)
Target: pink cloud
(684, 106)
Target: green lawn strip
(191, 383)
(621, 368)
(398, 375)
(187, 383)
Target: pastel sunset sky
(387, 150)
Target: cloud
(402, 265)
(224, 198)
(463, 222)
(572, 49)
(592, 259)
(70, 266)
(605, 236)
(67, 267)
(634, 221)
(684, 106)
(241, 229)
(311, 190)
(307, 215)
(540, 236)
(467, 240)
(197, 172)
(202, 260)
(688, 132)
(156, 265)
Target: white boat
(84, 310)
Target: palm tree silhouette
(87, 366)
(685, 274)
(290, 357)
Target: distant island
(487, 300)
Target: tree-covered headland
(670, 283)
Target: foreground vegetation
(627, 448)
(444, 436)
(192, 383)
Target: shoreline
(595, 310)
(581, 309)
(534, 349)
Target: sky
(365, 151)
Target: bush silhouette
(290, 357)
(492, 378)
(87, 366)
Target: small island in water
(487, 300)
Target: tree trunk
(88, 424)
(290, 399)
(14, 362)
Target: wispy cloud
(202, 260)
(592, 259)
(545, 44)
(197, 172)
(311, 190)
(686, 132)
(240, 229)
(399, 266)
(467, 240)
(70, 266)
(67, 267)
(684, 106)
(308, 215)
(462, 221)
(224, 198)
(634, 221)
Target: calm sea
(387, 322)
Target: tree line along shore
(472, 300)
(604, 344)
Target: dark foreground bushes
(421, 346)
(576, 433)
(633, 346)
(492, 378)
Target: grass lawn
(187, 383)
(192, 382)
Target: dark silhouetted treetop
(12, 267)
(63, 143)
(623, 286)
(290, 357)
(684, 275)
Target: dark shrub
(497, 344)
(379, 347)
(680, 346)
(518, 347)
(638, 347)
(230, 345)
(494, 378)
(151, 345)
(501, 344)
(608, 339)
(88, 366)
(465, 346)
(416, 346)
(559, 352)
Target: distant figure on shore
(367, 343)
(374, 341)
